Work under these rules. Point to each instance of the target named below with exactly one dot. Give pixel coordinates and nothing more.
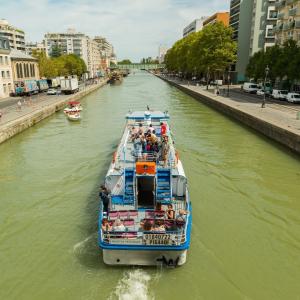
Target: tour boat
(147, 216)
(73, 106)
(73, 116)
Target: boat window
(145, 191)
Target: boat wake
(82, 246)
(134, 285)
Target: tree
(125, 62)
(210, 50)
(56, 51)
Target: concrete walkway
(278, 122)
(34, 109)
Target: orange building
(218, 17)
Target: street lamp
(267, 70)
(228, 82)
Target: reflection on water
(244, 189)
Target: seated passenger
(159, 226)
(170, 212)
(147, 226)
(141, 129)
(150, 128)
(181, 215)
(133, 130)
(119, 226)
(105, 225)
(158, 206)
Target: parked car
(279, 94)
(293, 97)
(52, 92)
(250, 87)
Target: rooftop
(17, 54)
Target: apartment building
(194, 26)
(6, 80)
(252, 22)
(222, 17)
(15, 36)
(35, 47)
(288, 23)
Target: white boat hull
(144, 257)
(74, 118)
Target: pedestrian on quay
(19, 105)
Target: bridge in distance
(140, 66)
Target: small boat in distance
(73, 116)
(116, 78)
(145, 214)
(73, 106)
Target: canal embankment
(16, 120)
(278, 125)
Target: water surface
(244, 189)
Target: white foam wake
(134, 285)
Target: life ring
(114, 157)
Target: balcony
(297, 24)
(280, 16)
(292, 12)
(280, 3)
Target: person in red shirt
(163, 129)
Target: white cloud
(134, 27)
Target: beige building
(6, 80)
(24, 66)
(93, 58)
(36, 47)
(288, 23)
(15, 36)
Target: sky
(136, 28)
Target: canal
(244, 188)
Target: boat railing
(148, 238)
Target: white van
(280, 94)
(250, 87)
(293, 97)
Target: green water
(245, 193)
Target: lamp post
(267, 70)
(228, 82)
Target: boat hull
(144, 258)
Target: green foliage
(56, 51)
(63, 65)
(125, 62)
(210, 50)
(283, 63)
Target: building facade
(24, 67)
(195, 26)
(15, 36)
(252, 22)
(6, 80)
(222, 17)
(35, 47)
(288, 23)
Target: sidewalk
(278, 122)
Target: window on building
(272, 14)
(1, 59)
(21, 70)
(2, 74)
(4, 88)
(33, 67)
(7, 74)
(6, 60)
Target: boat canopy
(73, 103)
(153, 115)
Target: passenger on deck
(165, 147)
(137, 144)
(159, 226)
(106, 226)
(151, 128)
(181, 215)
(163, 129)
(119, 226)
(170, 212)
(141, 129)
(158, 206)
(104, 197)
(133, 130)
(147, 226)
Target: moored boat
(73, 116)
(145, 214)
(73, 106)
